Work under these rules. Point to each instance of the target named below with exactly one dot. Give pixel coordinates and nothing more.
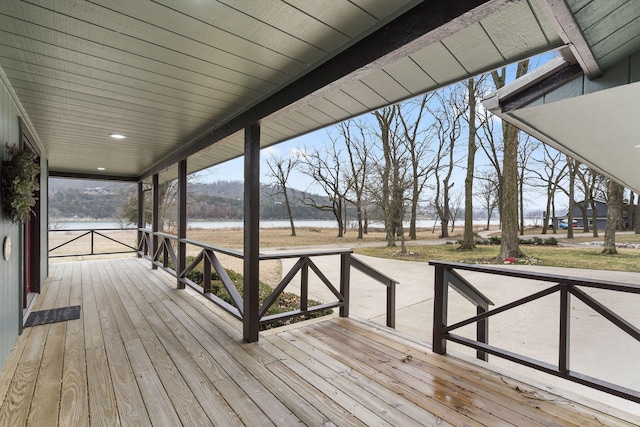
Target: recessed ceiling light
(117, 136)
(101, 168)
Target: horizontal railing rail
(446, 274)
(92, 233)
(164, 257)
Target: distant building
(601, 214)
(95, 190)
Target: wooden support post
(155, 217)
(182, 222)
(345, 278)
(141, 222)
(565, 325)
(251, 320)
(440, 302)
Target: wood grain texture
(145, 353)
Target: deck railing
(165, 257)
(93, 246)
(446, 275)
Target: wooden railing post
(141, 221)
(345, 277)
(440, 308)
(304, 287)
(391, 305)
(182, 223)
(565, 323)
(155, 217)
(482, 333)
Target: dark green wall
(10, 306)
(11, 269)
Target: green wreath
(20, 171)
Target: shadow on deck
(145, 353)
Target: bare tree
(359, 156)
(593, 185)
(491, 144)
(448, 112)
(418, 147)
(280, 168)
(614, 206)
(579, 171)
(487, 193)
(468, 241)
(550, 170)
(456, 208)
(325, 168)
(526, 151)
(392, 173)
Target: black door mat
(53, 316)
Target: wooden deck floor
(144, 353)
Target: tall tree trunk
(572, 190)
(286, 201)
(614, 206)
(366, 222)
(468, 241)
(510, 242)
(521, 203)
(414, 211)
(594, 217)
(636, 217)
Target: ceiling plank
(425, 24)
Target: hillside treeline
(212, 201)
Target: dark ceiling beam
(426, 23)
(540, 88)
(91, 176)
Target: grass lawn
(554, 256)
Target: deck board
(145, 353)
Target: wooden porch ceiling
(144, 353)
(181, 78)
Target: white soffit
(600, 128)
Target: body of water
(422, 223)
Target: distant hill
(222, 200)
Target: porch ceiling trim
(568, 29)
(421, 26)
